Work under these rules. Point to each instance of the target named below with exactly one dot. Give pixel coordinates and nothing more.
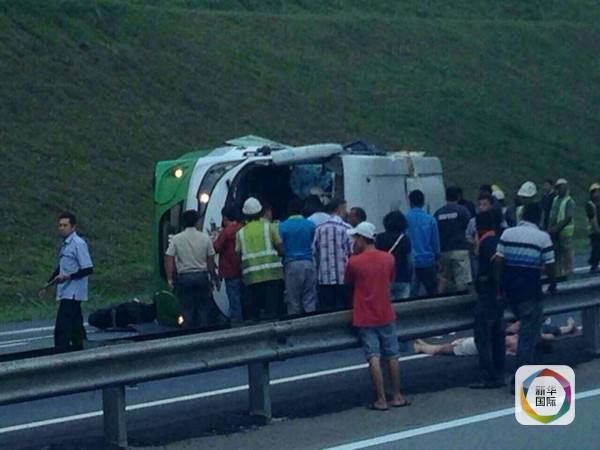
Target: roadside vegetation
(93, 93)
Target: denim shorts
(380, 341)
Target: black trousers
(266, 297)
(427, 276)
(489, 339)
(595, 251)
(333, 297)
(193, 293)
(69, 331)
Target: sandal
(401, 405)
(372, 407)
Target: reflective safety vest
(559, 213)
(519, 213)
(260, 260)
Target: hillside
(93, 93)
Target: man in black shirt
(546, 202)
(592, 210)
(489, 323)
(466, 203)
(455, 266)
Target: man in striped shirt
(523, 254)
(332, 247)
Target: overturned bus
(227, 175)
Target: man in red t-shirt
(370, 272)
(229, 263)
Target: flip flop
(372, 407)
(401, 405)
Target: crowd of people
(324, 257)
(297, 266)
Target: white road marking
(23, 341)
(25, 331)
(394, 437)
(33, 330)
(44, 423)
(14, 344)
(184, 398)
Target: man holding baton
(71, 280)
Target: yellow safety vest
(519, 213)
(260, 260)
(559, 213)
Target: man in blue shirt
(425, 240)
(297, 234)
(71, 280)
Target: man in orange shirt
(370, 272)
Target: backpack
(122, 315)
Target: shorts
(380, 341)
(465, 347)
(455, 266)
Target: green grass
(93, 93)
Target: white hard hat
(252, 207)
(364, 229)
(560, 181)
(498, 194)
(527, 190)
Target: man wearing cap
(370, 272)
(500, 206)
(561, 227)
(592, 209)
(526, 194)
(260, 249)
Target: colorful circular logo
(564, 408)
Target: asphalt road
(318, 402)
(444, 413)
(35, 335)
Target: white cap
(560, 181)
(252, 207)
(364, 229)
(528, 190)
(498, 194)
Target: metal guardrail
(112, 368)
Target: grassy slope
(92, 96)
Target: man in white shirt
(190, 256)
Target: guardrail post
(260, 396)
(591, 329)
(115, 426)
